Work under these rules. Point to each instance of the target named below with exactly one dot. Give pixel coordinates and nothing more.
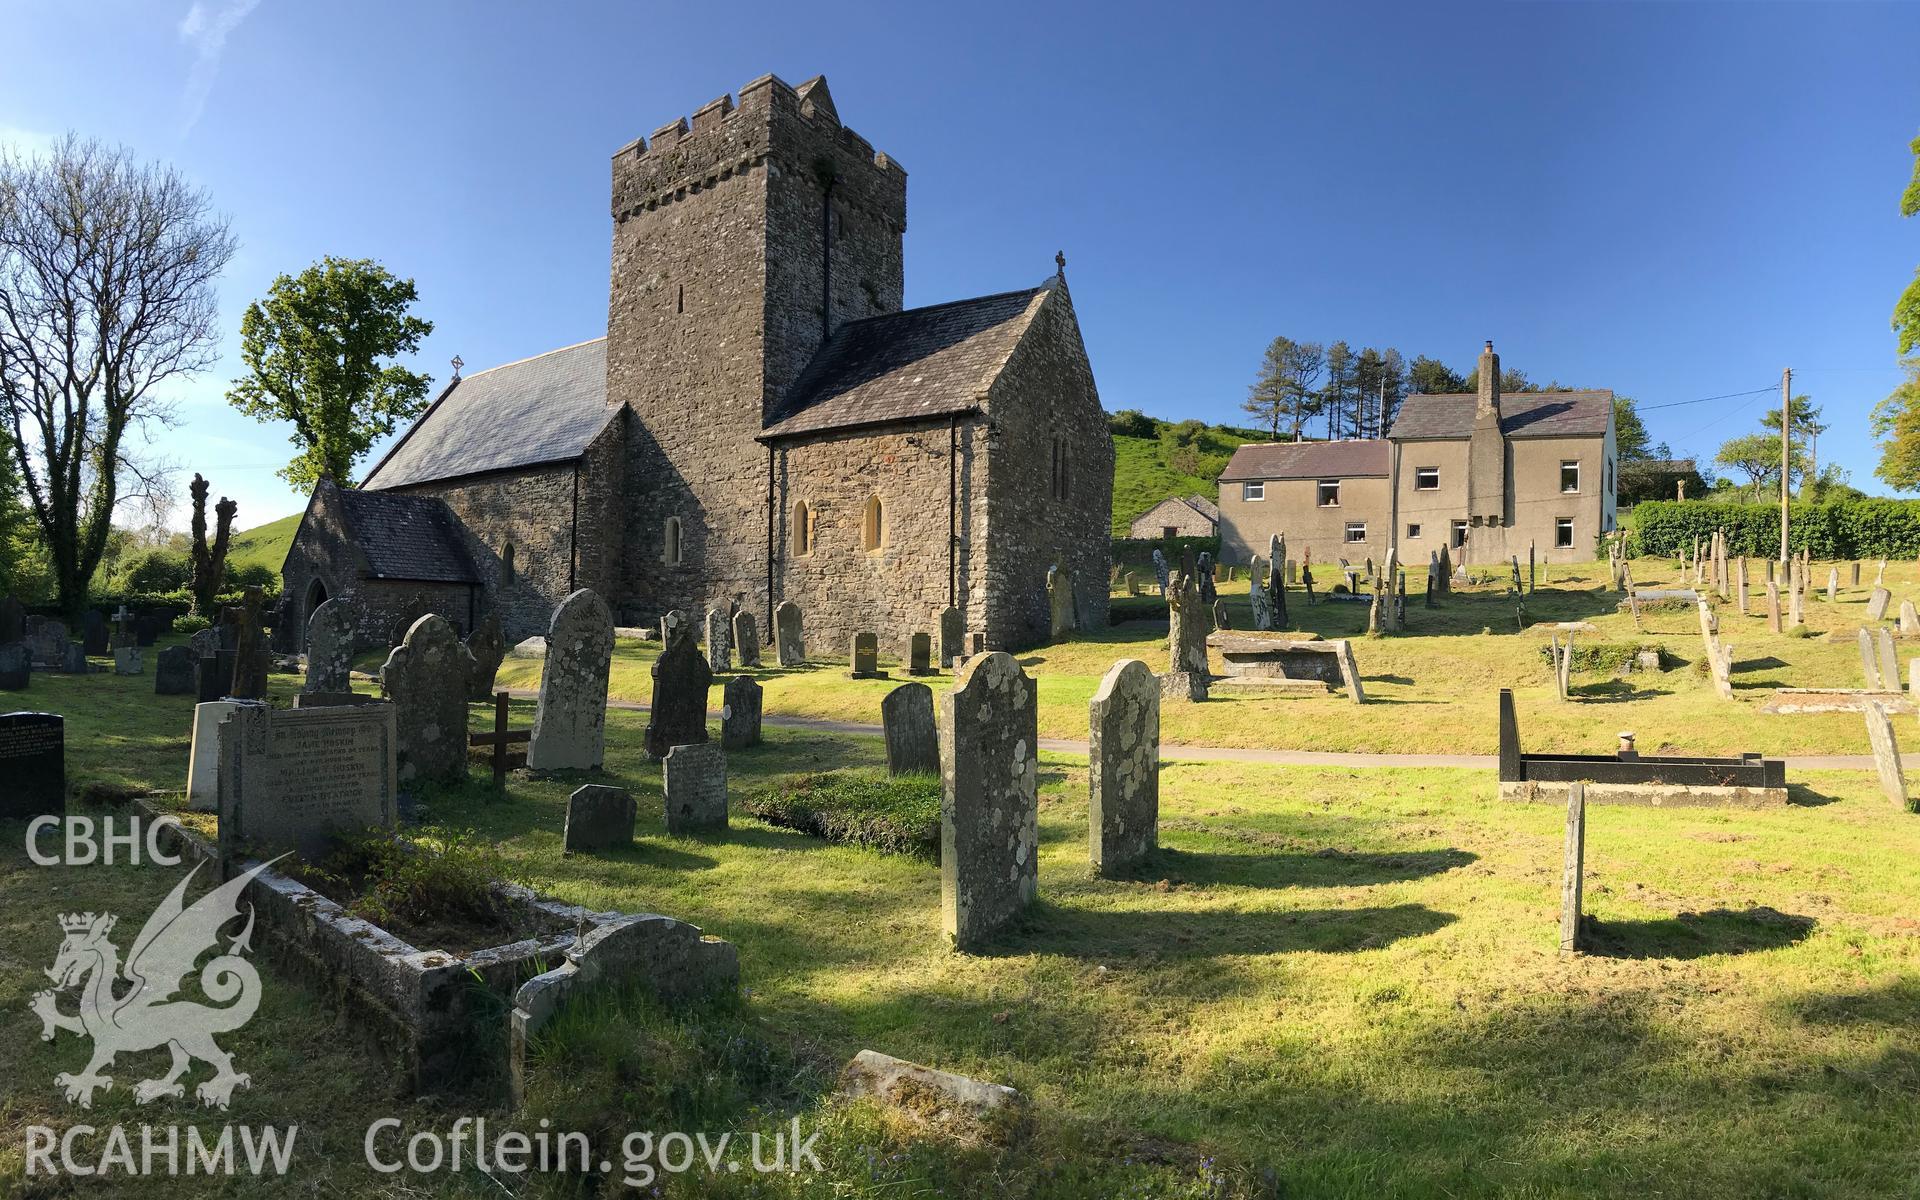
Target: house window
(873, 527)
(506, 564)
(1570, 475)
(671, 554)
(1563, 533)
(1356, 531)
(802, 529)
(1426, 479)
(1169, 531)
(1459, 534)
(1413, 531)
(1059, 467)
(1329, 493)
(1253, 491)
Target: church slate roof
(548, 408)
(1307, 460)
(923, 362)
(407, 537)
(1449, 415)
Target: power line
(1703, 400)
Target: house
(1176, 516)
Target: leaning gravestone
(1123, 766)
(696, 788)
(865, 656)
(906, 720)
(789, 643)
(719, 641)
(173, 672)
(740, 713)
(1909, 619)
(953, 634)
(426, 679)
(487, 646)
(16, 667)
(330, 649)
(746, 638)
(33, 761)
(1886, 755)
(598, 817)
(1877, 603)
(677, 713)
(570, 728)
(989, 810)
(1573, 869)
(295, 778)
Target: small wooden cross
(500, 739)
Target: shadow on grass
(1804, 796)
(1768, 663)
(1049, 928)
(1320, 868)
(1615, 691)
(1697, 935)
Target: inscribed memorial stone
(696, 788)
(570, 728)
(426, 679)
(906, 720)
(1123, 765)
(989, 814)
(33, 762)
(295, 778)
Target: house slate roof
(547, 408)
(1307, 460)
(407, 537)
(1204, 507)
(1449, 415)
(922, 362)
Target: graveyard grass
(1345, 977)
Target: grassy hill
(1155, 459)
(265, 544)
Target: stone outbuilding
(1178, 516)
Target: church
(762, 422)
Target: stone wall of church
(525, 516)
(899, 588)
(1045, 403)
(322, 553)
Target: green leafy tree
(1754, 455)
(318, 351)
(1906, 314)
(1807, 428)
(1430, 376)
(1283, 392)
(1631, 440)
(1896, 423)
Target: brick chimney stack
(1489, 382)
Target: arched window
(873, 527)
(671, 555)
(506, 564)
(802, 529)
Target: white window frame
(1418, 486)
(1361, 526)
(1560, 523)
(1320, 491)
(1457, 534)
(1564, 489)
(1253, 492)
(1413, 531)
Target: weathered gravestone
(789, 644)
(989, 814)
(1869, 661)
(865, 657)
(696, 788)
(47, 639)
(746, 638)
(1877, 603)
(1833, 584)
(129, 660)
(920, 654)
(13, 620)
(203, 754)
(487, 649)
(33, 762)
(677, 713)
(296, 778)
(1220, 615)
(953, 635)
(1061, 617)
(16, 667)
(1123, 767)
(740, 713)
(1573, 867)
(250, 666)
(1909, 619)
(598, 817)
(173, 672)
(1886, 755)
(426, 679)
(1889, 660)
(1187, 630)
(330, 649)
(719, 629)
(674, 626)
(570, 728)
(906, 718)
(1773, 603)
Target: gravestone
(13, 620)
(864, 656)
(953, 633)
(1187, 625)
(1160, 570)
(598, 817)
(1889, 661)
(203, 754)
(250, 667)
(1573, 868)
(72, 660)
(1261, 611)
(1350, 672)
(204, 643)
(33, 761)
(425, 677)
(1833, 584)
(295, 778)
(1877, 603)
(570, 727)
(1880, 574)
(1060, 611)
(906, 719)
(746, 638)
(1909, 619)
(212, 674)
(719, 632)
(1123, 768)
(146, 629)
(1220, 615)
(989, 811)
(696, 788)
(487, 648)
(129, 660)
(173, 672)
(1869, 661)
(1740, 582)
(789, 646)
(47, 639)
(101, 638)
(16, 667)
(677, 713)
(1886, 754)
(920, 655)
(674, 626)
(740, 713)
(1773, 604)
(1853, 575)
(330, 649)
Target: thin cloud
(205, 29)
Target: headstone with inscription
(426, 679)
(920, 654)
(740, 713)
(1062, 618)
(695, 782)
(865, 657)
(296, 778)
(33, 762)
(570, 728)
(677, 713)
(599, 817)
(719, 629)
(47, 638)
(1123, 761)
(129, 660)
(173, 672)
(989, 808)
(330, 648)
(906, 720)
(789, 642)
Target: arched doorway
(316, 596)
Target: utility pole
(1786, 440)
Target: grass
(264, 545)
(1144, 475)
(1328, 982)
(899, 815)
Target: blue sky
(1674, 201)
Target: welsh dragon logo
(128, 1009)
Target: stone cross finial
(1060, 262)
(458, 362)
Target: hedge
(1843, 529)
(1138, 552)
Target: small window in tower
(671, 554)
(1059, 467)
(680, 299)
(873, 526)
(802, 529)
(506, 564)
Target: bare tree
(209, 562)
(107, 268)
